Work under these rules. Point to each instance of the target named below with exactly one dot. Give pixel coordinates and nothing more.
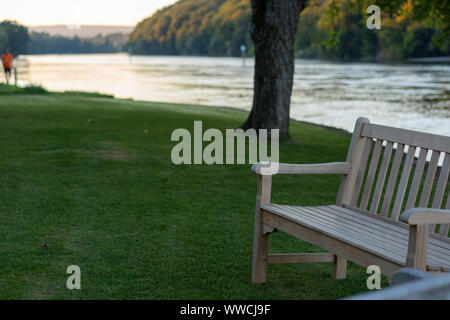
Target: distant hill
(195, 27)
(61, 39)
(220, 27)
(85, 31)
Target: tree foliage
(195, 27)
(42, 43)
(16, 39)
(3, 40)
(327, 29)
(404, 32)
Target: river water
(412, 96)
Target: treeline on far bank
(19, 40)
(219, 28)
(41, 43)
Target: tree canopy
(327, 29)
(194, 27)
(18, 40)
(14, 37)
(42, 43)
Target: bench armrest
(420, 216)
(272, 168)
(419, 220)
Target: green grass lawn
(92, 178)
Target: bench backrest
(396, 169)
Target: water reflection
(412, 96)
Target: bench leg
(260, 246)
(260, 238)
(417, 247)
(339, 268)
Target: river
(412, 96)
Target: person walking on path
(7, 59)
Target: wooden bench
(381, 178)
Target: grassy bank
(89, 181)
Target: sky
(80, 12)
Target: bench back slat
(381, 177)
(442, 182)
(361, 170)
(401, 190)
(417, 178)
(384, 180)
(371, 174)
(429, 180)
(440, 189)
(392, 179)
(445, 227)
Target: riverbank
(37, 89)
(89, 181)
(412, 96)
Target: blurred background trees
(331, 29)
(19, 40)
(16, 39)
(195, 27)
(328, 29)
(42, 43)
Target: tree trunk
(273, 27)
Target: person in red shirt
(7, 59)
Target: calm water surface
(413, 96)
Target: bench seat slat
(308, 215)
(375, 238)
(345, 237)
(387, 223)
(341, 224)
(396, 243)
(340, 248)
(388, 228)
